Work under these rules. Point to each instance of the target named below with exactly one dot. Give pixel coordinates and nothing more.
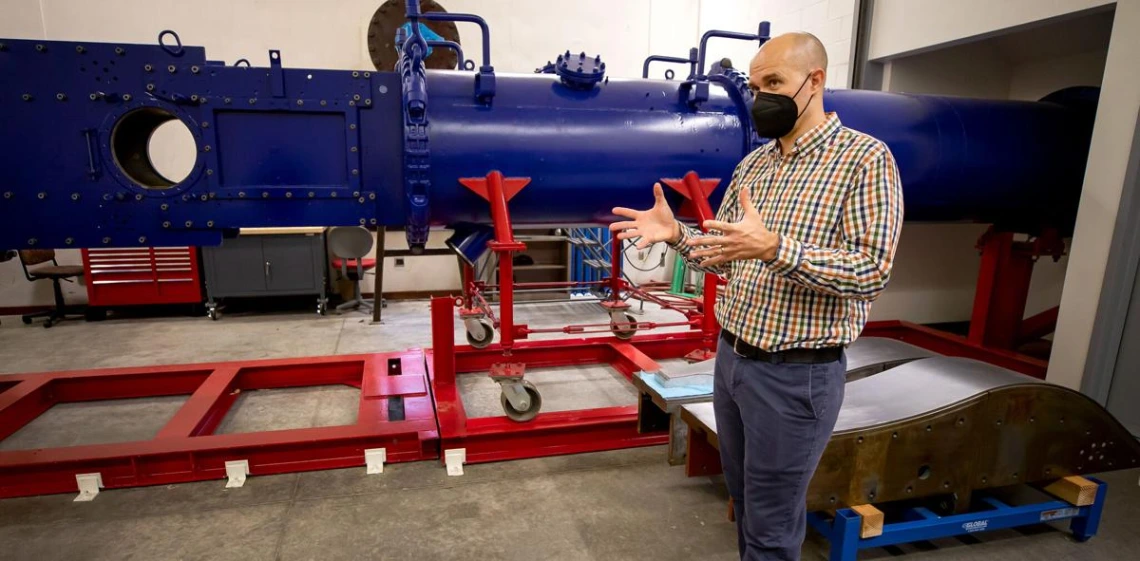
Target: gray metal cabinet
(266, 264)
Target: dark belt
(808, 356)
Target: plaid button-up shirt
(836, 202)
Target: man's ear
(819, 79)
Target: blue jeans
(773, 422)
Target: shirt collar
(814, 138)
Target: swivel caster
(322, 306)
(521, 400)
(213, 314)
(624, 330)
(480, 333)
(47, 324)
(27, 321)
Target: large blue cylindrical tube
(584, 151)
(1018, 164)
(1014, 163)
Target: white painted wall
(905, 26)
(1034, 80)
(1111, 144)
(969, 70)
(832, 21)
(525, 35)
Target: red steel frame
(490, 439)
(186, 449)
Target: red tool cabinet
(144, 275)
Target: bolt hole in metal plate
(153, 147)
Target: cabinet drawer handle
(267, 268)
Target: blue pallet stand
(923, 524)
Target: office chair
(349, 246)
(55, 272)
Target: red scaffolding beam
(395, 413)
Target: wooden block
(872, 521)
(1074, 489)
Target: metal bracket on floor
(237, 471)
(454, 459)
(374, 458)
(89, 485)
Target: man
(806, 236)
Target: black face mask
(775, 115)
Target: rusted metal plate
(946, 426)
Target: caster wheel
(624, 332)
(213, 314)
(322, 308)
(47, 324)
(530, 412)
(27, 321)
(483, 338)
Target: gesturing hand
(654, 225)
(747, 239)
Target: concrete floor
(625, 504)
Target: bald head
(794, 65)
(787, 58)
(800, 49)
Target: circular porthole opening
(153, 147)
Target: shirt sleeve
(726, 213)
(871, 220)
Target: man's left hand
(747, 239)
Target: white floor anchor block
(454, 459)
(237, 471)
(89, 485)
(374, 458)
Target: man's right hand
(654, 225)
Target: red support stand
(541, 433)
(498, 191)
(696, 192)
(1003, 287)
(996, 325)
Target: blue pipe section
(279, 146)
(691, 61)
